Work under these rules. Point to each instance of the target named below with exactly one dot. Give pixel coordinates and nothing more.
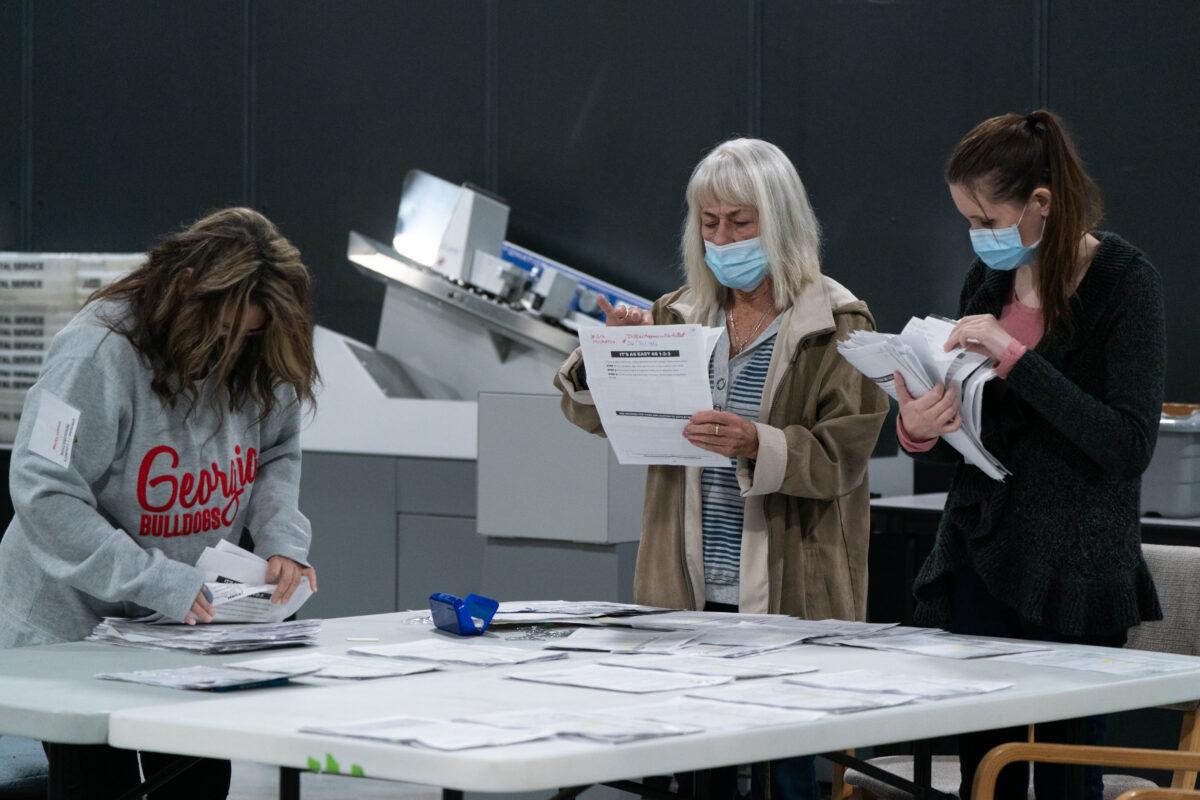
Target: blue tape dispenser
(469, 617)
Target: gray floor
(258, 782)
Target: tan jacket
(806, 524)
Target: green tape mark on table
(331, 765)
(357, 771)
(313, 765)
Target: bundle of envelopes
(206, 639)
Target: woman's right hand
(202, 610)
(625, 315)
(929, 416)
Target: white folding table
(263, 726)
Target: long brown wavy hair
(1005, 159)
(215, 270)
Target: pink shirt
(1022, 323)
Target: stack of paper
(743, 639)
(432, 734)
(445, 651)
(918, 354)
(538, 612)
(623, 679)
(693, 620)
(802, 697)
(944, 645)
(865, 680)
(611, 727)
(706, 665)
(199, 678)
(206, 639)
(324, 665)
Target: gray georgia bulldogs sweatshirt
(118, 528)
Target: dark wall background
(126, 119)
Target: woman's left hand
(286, 574)
(980, 333)
(724, 433)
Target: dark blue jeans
(974, 611)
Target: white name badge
(54, 429)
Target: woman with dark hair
(180, 389)
(1074, 318)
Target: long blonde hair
(213, 270)
(751, 172)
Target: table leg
(289, 783)
(923, 767)
(452, 794)
(1076, 776)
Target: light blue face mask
(1002, 248)
(737, 265)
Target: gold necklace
(738, 342)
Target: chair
(23, 769)
(1176, 572)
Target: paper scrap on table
(326, 665)
(713, 715)
(944, 645)
(609, 725)
(707, 665)
(431, 734)
(198, 677)
(444, 651)
(647, 381)
(618, 640)
(1127, 663)
(802, 697)
(622, 679)
(866, 680)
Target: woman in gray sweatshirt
(166, 418)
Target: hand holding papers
(237, 580)
(918, 354)
(647, 381)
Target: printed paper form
(647, 381)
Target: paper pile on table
(1129, 663)
(623, 679)
(804, 698)
(917, 354)
(945, 645)
(326, 665)
(428, 733)
(739, 668)
(198, 678)
(445, 651)
(206, 639)
(613, 726)
(865, 680)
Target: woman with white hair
(783, 528)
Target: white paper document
(237, 580)
(713, 715)
(54, 429)
(865, 680)
(918, 354)
(611, 726)
(618, 640)
(692, 620)
(707, 665)
(199, 678)
(944, 645)
(325, 665)
(647, 381)
(802, 697)
(431, 734)
(748, 636)
(1127, 663)
(622, 679)
(444, 651)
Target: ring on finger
(717, 429)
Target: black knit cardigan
(1076, 422)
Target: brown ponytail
(1006, 158)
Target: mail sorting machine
(437, 458)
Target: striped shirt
(737, 387)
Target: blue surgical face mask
(737, 265)
(1001, 248)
